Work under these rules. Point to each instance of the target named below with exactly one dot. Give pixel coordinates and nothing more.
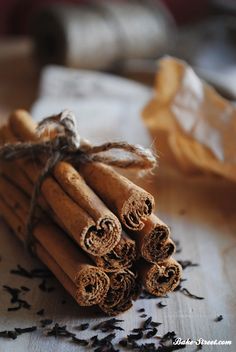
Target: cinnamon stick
(91, 282)
(123, 288)
(108, 229)
(85, 217)
(132, 204)
(129, 202)
(27, 171)
(122, 256)
(96, 239)
(160, 278)
(66, 282)
(16, 199)
(122, 284)
(153, 242)
(10, 170)
(18, 227)
(16, 176)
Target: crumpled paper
(191, 123)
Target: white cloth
(107, 107)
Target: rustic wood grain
(201, 213)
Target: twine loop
(68, 145)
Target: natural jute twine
(69, 146)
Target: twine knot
(65, 124)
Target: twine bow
(67, 145)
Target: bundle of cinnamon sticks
(93, 228)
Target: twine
(69, 146)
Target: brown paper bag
(192, 125)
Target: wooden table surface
(201, 213)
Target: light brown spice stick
(97, 235)
(122, 284)
(92, 283)
(123, 288)
(153, 241)
(122, 256)
(160, 278)
(132, 204)
(129, 202)
(27, 171)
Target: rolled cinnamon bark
(91, 282)
(153, 242)
(27, 172)
(122, 284)
(22, 125)
(132, 204)
(160, 278)
(82, 213)
(69, 216)
(12, 172)
(17, 226)
(108, 229)
(121, 257)
(129, 202)
(96, 239)
(68, 284)
(16, 200)
(123, 254)
(122, 290)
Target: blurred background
(116, 36)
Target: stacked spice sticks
(93, 228)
